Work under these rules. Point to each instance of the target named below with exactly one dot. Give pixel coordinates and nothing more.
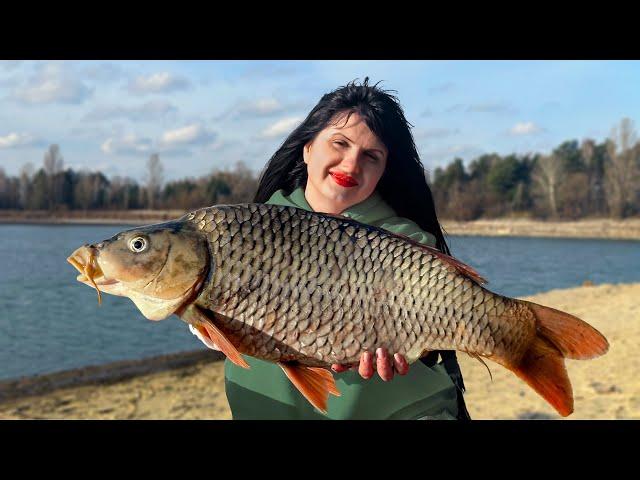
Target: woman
(354, 155)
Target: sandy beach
(191, 385)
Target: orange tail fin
(559, 336)
(314, 383)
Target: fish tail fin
(559, 335)
(574, 338)
(542, 368)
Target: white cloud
(127, 144)
(281, 127)
(9, 64)
(52, 83)
(442, 88)
(16, 140)
(146, 111)
(194, 134)
(263, 106)
(105, 72)
(432, 133)
(158, 83)
(495, 107)
(525, 128)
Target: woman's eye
(341, 143)
(138, 244)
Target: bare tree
(82, 193)
(154, 179)
(622, 168)
(547, 176)
(3, 181)
(26, 175)
(53, 165)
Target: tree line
(576, 180)
(54, 188)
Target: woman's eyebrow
(368, 149)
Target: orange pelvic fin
(226, 347)
(314, 383)
(573, 337)
(542, 367)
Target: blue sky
(201, 115)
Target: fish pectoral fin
(199, 319)
(315, 384)
(226, 347)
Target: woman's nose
(351, 161)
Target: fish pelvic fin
(314, 383)
(559, 335)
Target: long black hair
(403, 185)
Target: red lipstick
(343, 180)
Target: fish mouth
(85, 260)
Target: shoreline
(593, 228)
(190, 385)
(102, 374)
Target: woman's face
(344, 164)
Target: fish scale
(413, 286)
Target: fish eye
(138, 244)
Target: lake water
(50, 322)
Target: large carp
(307, 290)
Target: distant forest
(576, 180)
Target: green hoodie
(264, 392)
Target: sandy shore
(191, 385)
(628, 229)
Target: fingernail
(379, 353)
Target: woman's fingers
(366, 365)
(383, 364)
(402, 367)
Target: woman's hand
(386, 368)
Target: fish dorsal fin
(315, 384)
(463, 268)
(207, 327)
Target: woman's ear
(305, 152)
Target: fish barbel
(307, 290)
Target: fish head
(159, 267)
